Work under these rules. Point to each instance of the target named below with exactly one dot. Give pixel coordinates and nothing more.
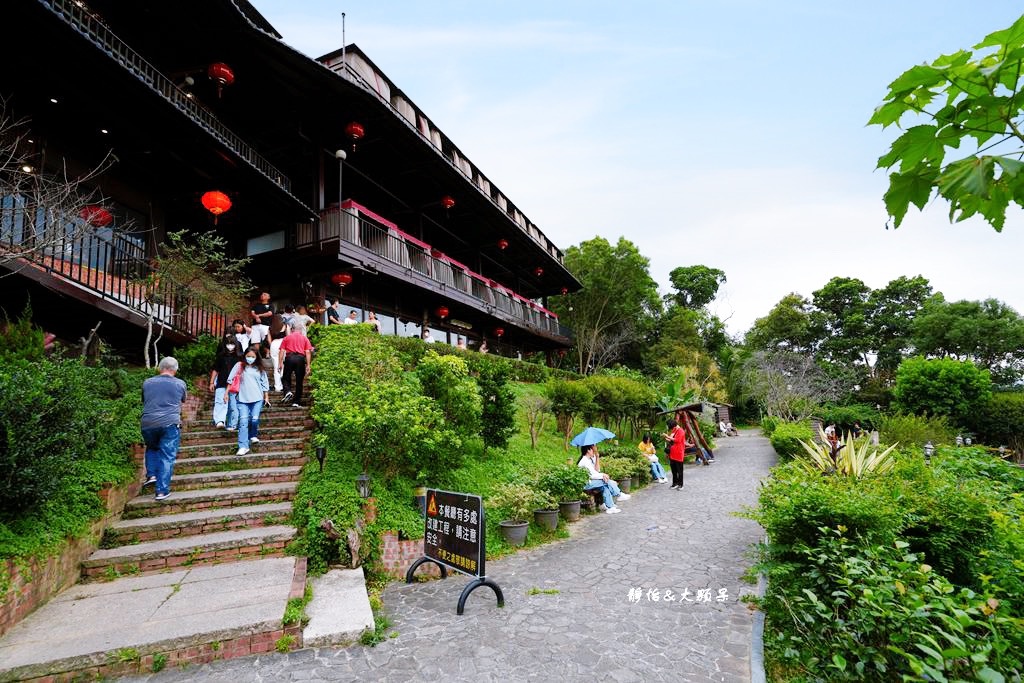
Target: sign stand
(455, 536)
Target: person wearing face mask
(253, 394)
(228, 356)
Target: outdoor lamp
(959, 440)
(363, 485)
(967, 441)
(929, 451)
(321, 455)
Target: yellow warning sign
(432, 506)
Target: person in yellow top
(651, 453)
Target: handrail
(388, 242)
(77, 14)
(104, 261)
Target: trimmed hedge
(786, 436)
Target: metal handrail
(106, 262)
(392, 246)
(92, 27)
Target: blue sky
(726, 133)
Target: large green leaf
(905, 188)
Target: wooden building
(338, 184)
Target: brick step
(127, 531)
(231, 447)
(240, 477)
(213, 435)
(201, 499)
(162, 554)
(205, 416)
(252, 459)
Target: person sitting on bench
(727, 429)
(598, 480)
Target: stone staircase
(222, 507)
(199, 576)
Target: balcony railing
(384, 240)
(83, 20)
(103, 261)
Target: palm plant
(850, 459)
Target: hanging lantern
(436, 253)
(503, 244)
(499, 332)
(565, 290)
(221, 74)
(355, 131)
(538, 271)
(216, 203)
(561, 353)
(442, 312)
(342, 279)
(447, 202)
(96, 216)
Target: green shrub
(516, 501)
(564, 483)
(197, 358)
(569, 400)
(1000, 421)
(446, 380)
(617, 468)
(768, 424)
(498, 419)
(880, 613)
(941, 386)
(786, 438)
(20, 339)
(844, 416)
(913, 431)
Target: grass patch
(284, 643)
(295, 610)
(159, 662)
(543, 591)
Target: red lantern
(499, 332)
(565, 290)
(503, 244)
(538, 271)
(96, 216)
(221, 74)
(342, 279)
(436, 253)
(442, 311)
(355, 131)
(447, 202)
(216, 203)
(561, 353)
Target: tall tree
(840, 321)
(617, 305)
(787, 326)
(696, 286)
(967, 94)
(891, 319)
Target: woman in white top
(253, 394)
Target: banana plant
(675, 394)
(850, 460)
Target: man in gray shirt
(162, 397)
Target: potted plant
(565, 485)
(516, 501)
(546, 513)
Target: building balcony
(372, 243)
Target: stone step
(252, 459)
(201, 499)
(185, 551)
(278, 413)
(213, 435)
(231, 447)
(234, 477)
(127, 531)
(189, 615)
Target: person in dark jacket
(228, 356)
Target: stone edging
(757, 673)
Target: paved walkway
(602, 624)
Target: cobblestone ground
(602, 624)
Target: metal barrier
(107, 263)
(391, 244)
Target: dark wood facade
(421, 230)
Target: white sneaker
(220, 425)
(254, 439)
(613, 510)
(242, 451)
(624, 496)
(663, 480)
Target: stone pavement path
(602, 624)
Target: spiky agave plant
(851, 459)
